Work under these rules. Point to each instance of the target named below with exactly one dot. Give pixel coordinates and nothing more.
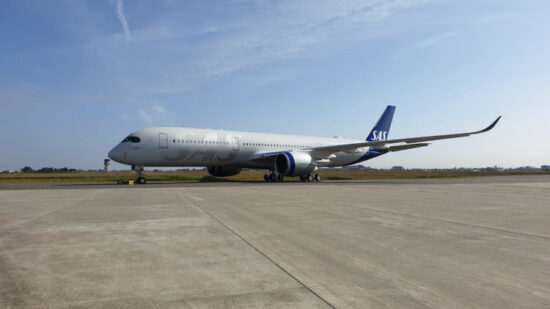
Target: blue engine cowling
(294, 164)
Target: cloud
(434, 40)
(494, 19)
(173, 52)
(158, 108)
(122, 19)
(145, 116)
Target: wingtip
(492, 125)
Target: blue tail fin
(381, 130)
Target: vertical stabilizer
(381, 130)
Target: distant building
(545, 167)
(397, 168)
(366, 168)
(526, 169)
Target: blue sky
(78, 76)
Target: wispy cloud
(495, 19)
(170, 55)
(157, 107)
(122, 19)
(145, 116)
(434, 40)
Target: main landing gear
(274, 177)
(310, 177)
(141, 178)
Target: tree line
(28, 169)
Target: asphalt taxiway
(432, 243)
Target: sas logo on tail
(379, 135)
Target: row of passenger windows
(190, 141)
(276, 145)
(187, 141)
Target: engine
(294, 164)
(223, 171)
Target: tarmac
(432, 243)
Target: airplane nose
(116, 154)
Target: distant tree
(27, 169)
(56, 170)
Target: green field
(202, 176)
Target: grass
(202, 176)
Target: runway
(429, 243)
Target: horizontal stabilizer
(405, 147)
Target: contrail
(122, 19)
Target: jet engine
(294, 164)
(223, 171)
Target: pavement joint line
(443, 221)
(234, 294)
(452, 222)
(23, 221)
(16, 275)
(257, 250)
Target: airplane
(226, 153)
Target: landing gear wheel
(266, 178)
(317, 177)
(280, 178)
(302, 178)
(310, 177)
(141, 179)
(272, 177)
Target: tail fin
(382, 128)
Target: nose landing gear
(141, 180)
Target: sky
(76, 77)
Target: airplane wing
(323, 152)
(410, 141)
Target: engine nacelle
(222, 171)
(294, 164)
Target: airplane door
(235, 141)
(163, 140)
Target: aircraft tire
(317, 177)
(141, 181)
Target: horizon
(349, 167)
(78, 77)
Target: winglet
(492, 125)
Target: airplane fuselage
(175, 146)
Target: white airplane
(225, 153)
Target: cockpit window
(132, 139)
